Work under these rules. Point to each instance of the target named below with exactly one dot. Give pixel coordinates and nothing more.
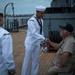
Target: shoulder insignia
(31, 20)
(7, 34)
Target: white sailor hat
(40, 8)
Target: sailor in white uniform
(32, 42)
(7, 65)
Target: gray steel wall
(52, 21)
(62, 3)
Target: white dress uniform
(3, 70)
(6, 57)
(32, 47)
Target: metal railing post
(6, 14)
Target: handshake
(45, 45)
(47, 41)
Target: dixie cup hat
(40, 8)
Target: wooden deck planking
(19, 52)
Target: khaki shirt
(67, 45)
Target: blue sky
(23, 6)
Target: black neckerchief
(40, 24)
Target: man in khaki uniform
(65, 52)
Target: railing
(5, 14)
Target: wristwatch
(11, 71)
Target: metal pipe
(5, 12)
(13, 11)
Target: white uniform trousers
(32, 53)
